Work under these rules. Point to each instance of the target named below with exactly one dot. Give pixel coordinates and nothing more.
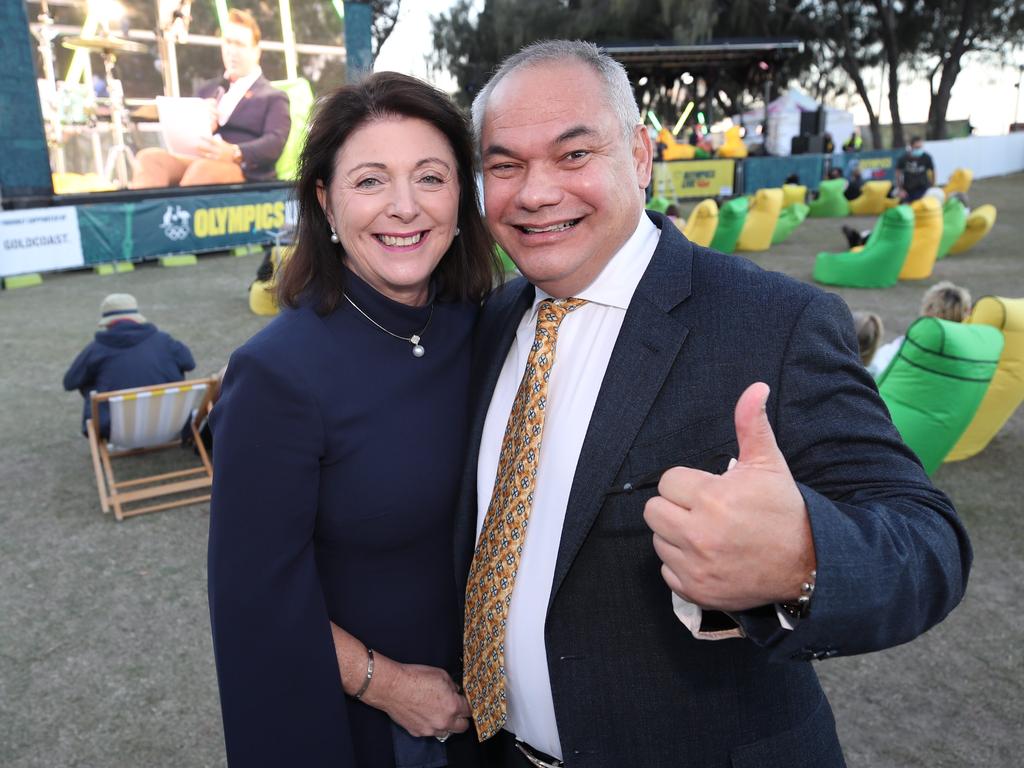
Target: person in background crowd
(250, 118)
(855, 184)
(127, 352)
(943, 300)
(854, 143)
(915, 171)
(869, 328)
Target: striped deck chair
(143, 420)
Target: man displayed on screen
(249, 117)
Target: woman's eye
(367, 183)
(432, 178)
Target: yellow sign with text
(690, 179)
(235, 219)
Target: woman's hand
(423, 700)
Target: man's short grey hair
(618, 91)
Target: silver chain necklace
(417, 348)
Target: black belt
(519, 753)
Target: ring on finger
(444, 738)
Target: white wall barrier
(984, 155)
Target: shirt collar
(617, 283)
(247, 82)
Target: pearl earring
(334, 237)
(457, 231)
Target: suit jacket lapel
(644, 353)
(491, 348)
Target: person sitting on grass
(870, 329)
(943, 300)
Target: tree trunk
(852, 68)
(939, 104)
(940, 101)
(887, 17)
(862, 91)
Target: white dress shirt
(236, 92)
(585, 341)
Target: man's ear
(643, 156)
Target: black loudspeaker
(807, 145)
(812, 122)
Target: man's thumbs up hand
(738, 540)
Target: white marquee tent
(784, 121)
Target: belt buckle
(534, 760)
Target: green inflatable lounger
(936, 382)
(954, 222)
(831, 201)
(790, 218)
(731, 218)
(878, 263)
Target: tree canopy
(844, 39)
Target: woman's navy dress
(337, 460)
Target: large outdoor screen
(142, 94)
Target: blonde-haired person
(943, 300)
(869, 329)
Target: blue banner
(164, 226)
(770, 172)
(874, 165)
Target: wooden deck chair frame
(118, 494)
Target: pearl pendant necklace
(417, 348)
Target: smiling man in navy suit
(250, 118)
(718, 496)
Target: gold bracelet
(369, 674)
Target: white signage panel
(39, 240)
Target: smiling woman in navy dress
(340, 439)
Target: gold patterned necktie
(492, 573)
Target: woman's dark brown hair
(313, 273)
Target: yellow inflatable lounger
(733, 145)
(1006, 392)
(761, 220)
(979, 223)
(700, 227)
(261, 293)
(873, 199)
(924, 248)
(959, 181)
(673, 149)
(793, 194)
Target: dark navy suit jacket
(259, 125)
(631, 686)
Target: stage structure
(659, 63)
